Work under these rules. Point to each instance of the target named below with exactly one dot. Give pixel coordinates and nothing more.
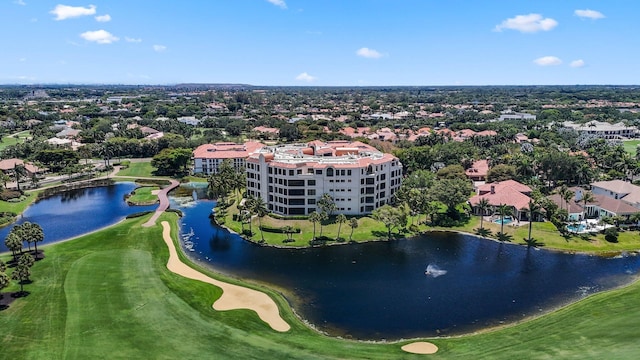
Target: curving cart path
(233, 297)
(164, 202)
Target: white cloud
(577, 63)
(103, 18)
(548, 61)
(368, 53)
(306, 77)
(527, 23)
(279, 3)
(20, 2)
(63, 12)
(99, 36)
(589, 14)
(132, 40)
(159, 48)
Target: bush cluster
(278, 230)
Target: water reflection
(380, 290)
(75, 212)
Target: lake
(75, 212)
(437, 284)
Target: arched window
(330, 172)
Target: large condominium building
(207, 158)
(292, 178)
(604, 130)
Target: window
(311, 192)
(330, 172)
(311, 182)
(311, 201)
(318, 172)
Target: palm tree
(4, 178)
(353, 223)
(32, 232)
(532, 211)
(18, 172)
(483, 206)
(340, 219)
(13, 243)
(4, 281)
(566, 195)
(249, 206)
(21, 274)
(315, 217)
(587, 197)
(260, 209)
(504, 210)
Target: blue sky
(321, 42)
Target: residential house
(509, 192)
(478, 171)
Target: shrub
(278, 230)
(177, 211)
(7, 194)
(138, 214)
(611, 235)
(295, 217)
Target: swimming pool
(506, 220)
(576, 228)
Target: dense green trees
(391, 217)
(57, 159)
(172, 161)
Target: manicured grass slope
(142, 169)
(109, 295)
(143, 195)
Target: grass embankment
(368, 229)
(631, 146)
(141, 169)
(145, 195)
(545, 233)
(109, 295)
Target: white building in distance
(292, 178)
(603, 130)
(207, 158)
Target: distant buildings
(603, 130)
(509, 115)
(292, 178)
(208, 157)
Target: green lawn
(630, 146)
(12, 140)
(144, 195)
(369, 229)
(19, 207)
(142, 169)
(109, 295)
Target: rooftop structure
(208, 157)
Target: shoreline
(603, 253)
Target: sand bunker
(420, 347)
(233, 296)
